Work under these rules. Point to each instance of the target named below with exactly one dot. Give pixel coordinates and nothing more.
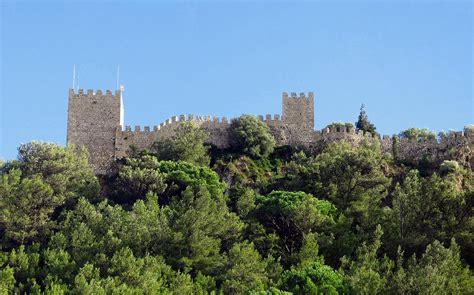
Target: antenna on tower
(118, 78)
(73, 77)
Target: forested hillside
(187, 218)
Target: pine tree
(363, 122)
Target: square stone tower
(92, 122)
(298, 111)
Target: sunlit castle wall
(95, 121)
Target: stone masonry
(95, 121)
(92, 121)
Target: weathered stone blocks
(95, 121)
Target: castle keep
(95, 121)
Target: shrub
(251, 136)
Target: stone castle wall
(143, 138)
(94, 121)
(298, 111)
(456, 145)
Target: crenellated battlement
(174, 121)
(205, 121)
(338, 129)
(271, 121)
(443, 138)
(348, 133)
(89, 93)
(92, 120)
(302, 95)
(298, 111)
(455, 145)
(95, 120)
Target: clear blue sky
(411, 63)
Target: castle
(95, 121)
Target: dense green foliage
(186, 145)
(260, 220)
(251, 136)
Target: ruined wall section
(92, 120)
(452, 146)
(457, 146)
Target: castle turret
(92, 122)
(298, 111)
